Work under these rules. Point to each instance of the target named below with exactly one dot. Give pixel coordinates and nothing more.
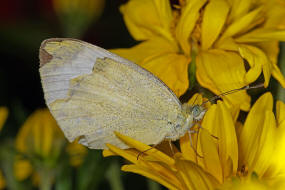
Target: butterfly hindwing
(92, 93)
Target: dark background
(23, 26)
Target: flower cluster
(229, 42)
(225, 45)
(225, 153)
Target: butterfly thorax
(185, 121)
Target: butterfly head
(197, 112)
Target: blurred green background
(23, 26)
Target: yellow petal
(22, 169)
(163, 9)
(239, 8)
(142, 147)
(108, 152)
(3, 116)
(266, 145)
(258, 130)
(280, 112)
(40, 135)
(248, 184)
(271, 49)
(277, 167)
(147, 19)
(257, 60)
(129, 155)
(227, 43)
(146, 50)
(2, 181)
(262, 35)
(275, 12)
(243, 24)
(219, 122)
(172, 69)
(221, 71)
(77, 152)
(213, 21)
(194, 177)
(189, 16)
(187, 150)
(210, 155)
(48, 137)
(276, 73)
(154, 175)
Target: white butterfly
(92, 92)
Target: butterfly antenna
(195, 100)
(233, 91)
(141, 153)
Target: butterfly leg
(171, 147)
(191, 143)
(200, 127)
(141, 153)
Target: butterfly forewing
(92, 93)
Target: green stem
(280, 90)
(192, 70)
(114, 176)
(46, 178)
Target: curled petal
(276, 73)
(221, 71)
(258, 61)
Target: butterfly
(92, 93)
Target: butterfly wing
(92, 93)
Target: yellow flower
(224, 153)
(2, 181)
(40, 135)
(3, 116)
(77, 152)
(77, 15)
(38, 139)
(41, 143)
(222, 37)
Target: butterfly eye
(196, 111)
(178, 126)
